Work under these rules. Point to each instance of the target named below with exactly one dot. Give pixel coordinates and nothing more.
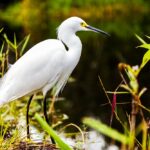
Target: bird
(45, 66)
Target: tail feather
(5, 95)
(3, 99)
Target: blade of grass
(2, 48)
(106, 130)
(15, 45)
(1, 30)
(9, 42)
(15, 41)
(52, 133)
(74, 125)
(118, 92)
(24, 44)
(148, 37)
(140, 39)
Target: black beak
(97, 30)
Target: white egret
(46, 65)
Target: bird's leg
(27, 116)
(44, 109)
(46, 116)
(51, 109)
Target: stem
(51, 109)
(144, 137)
(133, 122)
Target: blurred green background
(100, 55)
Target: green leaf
(106, 130)
(145, 59)
(140, 39)
(146, 46)
(146, 56)
(52, 133)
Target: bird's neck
(69, 38)
(73, 44)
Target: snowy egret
(46, 65)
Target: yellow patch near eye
(83, 24)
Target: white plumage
(46, 65)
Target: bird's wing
(42, 64)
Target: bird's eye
(83, 24)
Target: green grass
(62, 145)
(106, 130)
(10, 113)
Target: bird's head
(74, 24)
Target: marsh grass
(13, 136)
(10, 114)
(129, 85)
